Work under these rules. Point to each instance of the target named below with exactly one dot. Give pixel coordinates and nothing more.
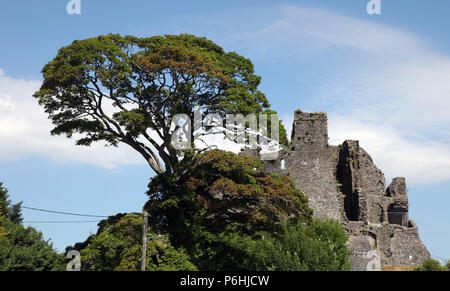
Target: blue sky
(383, 79)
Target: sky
(383, 79)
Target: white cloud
(25, 131)
(399, 114)
(421, 162)
(384, 86)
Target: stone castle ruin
(343, 183)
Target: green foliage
(224, 190)
(3, 232)
(167, 258)
(225, 215)
(147, 81)
(11, 211)
(431, 265)
(283, 139)
(318, 246)
(231, 216)
(298, 246)
(117, 246)
(23, 249)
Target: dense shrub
(316, 246)
(229, 215)
(224, 191)
(117, 246)
(431, 265)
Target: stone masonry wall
(343, 183)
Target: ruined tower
(343, 183)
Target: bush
(431, 265)
(117, 246)
(318, 246)
(223, 190)
(229, 215)
(24, 249)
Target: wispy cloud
(424, 161)
(314, 29)
(384, 86)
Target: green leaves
(224, 215)
(117, 246)
(432, 265)
(225, 188)
(23, 249)
(10, 211)
(319, 246)
(223, 197)
(116, 89)
(135, 122)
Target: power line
(64, 213)
(67, 221)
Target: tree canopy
(126, 89)
(11, 211)
(228, 215)
(316, 246)
(117, 246)
(225, 190)
(23, 248)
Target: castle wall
(343, 183)
(311, 164)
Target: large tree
(126, 89)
